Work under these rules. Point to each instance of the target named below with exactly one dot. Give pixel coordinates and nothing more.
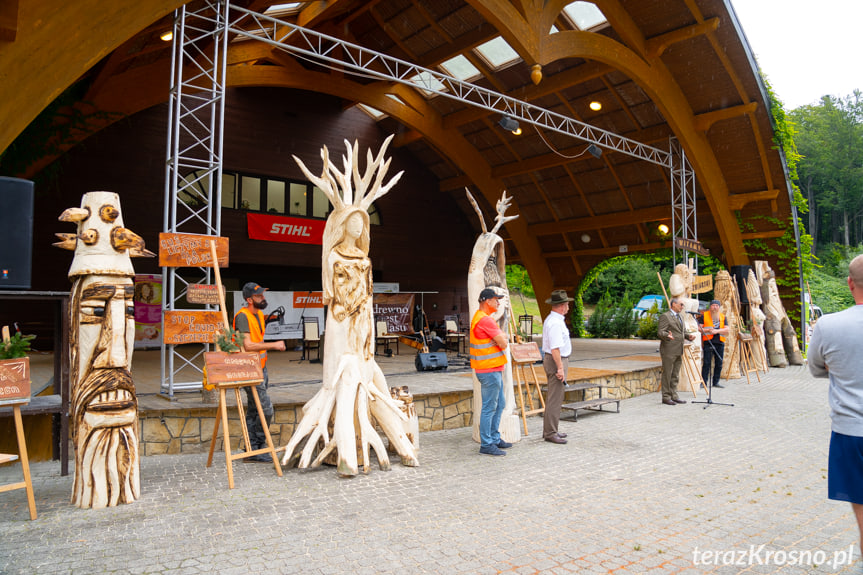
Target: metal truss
(193, 174)
(684, 223)
(320, 47)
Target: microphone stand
(710, 401)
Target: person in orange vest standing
(249, 321)
(713, 332)
(487, 359)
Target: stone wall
(190, 431)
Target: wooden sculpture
(354, 393)
(488, 270)
(104, 407)
(781, 339)
(680, 286)
(723, 290)
(759, 351)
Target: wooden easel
(222, 416)
(222, 412)
(687, 353)
(743, 344)
(16, 403)
(523, 358)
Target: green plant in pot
(17, 346)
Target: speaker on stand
(16, 233)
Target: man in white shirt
(556, 348)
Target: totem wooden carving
(104, 408)
(488, 270)
(354, 393)
(759, 351)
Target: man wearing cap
(487, 359)
(713, 332)
(556, 348)
(671, 334)
(249, 321)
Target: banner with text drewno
(397, 309)
(285, 229)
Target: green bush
(613, 320)
(648, 324)
(17, 346)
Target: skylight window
(460, 68)
(285, 9)
(497, 53)
(426, 83)
(373, 112)
(585, 15)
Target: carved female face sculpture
(104, 406)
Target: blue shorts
(845, 469)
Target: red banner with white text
(285, 229)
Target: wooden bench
(591, 404)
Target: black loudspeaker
(431, 361)
(741, 273)
(16, 233)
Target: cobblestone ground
(648, 490)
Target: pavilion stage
(184, 424)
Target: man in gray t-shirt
(835, 353)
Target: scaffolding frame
(193, 174)
(196, 126)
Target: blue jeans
(493, 402)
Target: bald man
(834, 354)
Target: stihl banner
(285, 229)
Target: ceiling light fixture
(167, 36)
(663, 229)
(585, 238)
(594, 150)
(596, 106)
(510, 125)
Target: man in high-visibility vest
(487, 359)
(249, 321)
(713, 332)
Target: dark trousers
(712, 354)
(253, 419)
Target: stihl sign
(285, 229)
(308, 299)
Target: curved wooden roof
(660, 68)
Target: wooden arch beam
(43, 43)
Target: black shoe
(718, 385)
(677, 400)
(668, 402)
(491, 450)
(261, 458)
(504, 444)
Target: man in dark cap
(249, 321)
(556, 348)
(713, 332)
(487, 359)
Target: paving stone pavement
(648, 490)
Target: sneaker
(504, 444)
(491, 450)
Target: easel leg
(216, 427)
(226, 438)
(25, 462)
(272, 449)
(518, 376)
(248, 446)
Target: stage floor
(294, 381)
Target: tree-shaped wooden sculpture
(488, 270)
(354, 392)
(104, 409)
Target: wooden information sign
(15, 378)
(225, 367)
(191, 250)
(702, 284)
(192, 326)
(204, 293)
(691, 246)
(525, 352)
